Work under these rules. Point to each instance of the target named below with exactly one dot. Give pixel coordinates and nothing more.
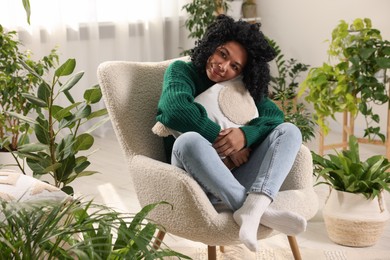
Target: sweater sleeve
(270, 116)
(177, 109)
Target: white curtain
(93, 31)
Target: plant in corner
(77, 230)
(57, 128)
(355, 203)
(350, 84)
(284, 92)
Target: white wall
(300, 27)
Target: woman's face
(227, 62)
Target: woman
(262, 151)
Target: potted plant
(284, 92)
(15, 81)
(78, 230)
(354, 213)
(348, 82)
(59, 139)
(201, 13)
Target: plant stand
(349, 129)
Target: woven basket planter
(353, 220)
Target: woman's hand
(240, 157)
(229, 141)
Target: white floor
(113, 187)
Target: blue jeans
(265, 171)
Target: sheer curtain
(93, 31)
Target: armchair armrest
(301, 174)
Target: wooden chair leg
(294, 247)
(212, 252)
(159, 238)
(222, 249)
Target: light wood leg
(222, 249)
(212, 252)
(294, 247)
(159, 238)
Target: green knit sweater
(177, 109)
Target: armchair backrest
(131, 91)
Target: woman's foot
(287, 222)
(248, 218)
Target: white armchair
(131, 91)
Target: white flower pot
(353, 220)
(235, 9)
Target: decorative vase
(235, 9)
(353, 220)
(249, 9)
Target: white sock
(286, 222)
(248, 218)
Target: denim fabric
(268, 165)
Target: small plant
(350, 84)
(57, 128)
(15, 81)
(77, 230)
(344, 171)
(284, 90)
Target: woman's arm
(177, 109)
(270, 116)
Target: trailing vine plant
(350, 82)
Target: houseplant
(201, 13)
(77, 230)
(348, 82)
(284, 85)
(355, 203)
(15, 80)
(57, 129)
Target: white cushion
(228, 103)
(15, 186)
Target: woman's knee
(291, 131)
(188, 142)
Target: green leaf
(93, 95)
(22, 117)
(65, 111)
(32, 147)
(71, 82)
(98, 113)
(383, 62)
(83, 142)
(44, 93)
(35, 100)
(97, 125)
(27, 8)
(66, 68)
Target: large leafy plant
(344, 171)
(59, 139)
(349, 81)
(284, 85)
(15, 81)
(77, 230)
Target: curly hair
(256, 73)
